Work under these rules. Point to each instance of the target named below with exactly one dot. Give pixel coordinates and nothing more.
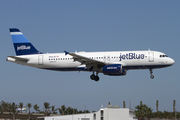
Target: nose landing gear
(152, 76)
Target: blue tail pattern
(22, 45)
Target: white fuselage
(128, 60)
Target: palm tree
(13, 106)
(53, 110)
(174, 110)
(148, 112)
(29, 105)
(36, 107)
(124, 104)
(60, 111)
(157, 104)
(143, 111)
(63, 110)
(21, 106)
(138, 112)
(69, 110)
(5, 106)
(46, 106)
(140, 103)
(8, 108)
(75, 111)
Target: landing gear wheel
(92, 77)
(152, 76)
(96, 78)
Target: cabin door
(151, 56)
(40, 59)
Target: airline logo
(131, 56)
(23, 47)
(111, 67)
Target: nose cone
(171, 61)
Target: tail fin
(22, 45)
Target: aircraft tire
(152, 76)
(96, 78)
(92, 77)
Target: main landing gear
(152, 76)
(95, 77)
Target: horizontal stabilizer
(17, 58)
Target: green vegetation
(47, 110)
(36, 107)
(142, 111)
(29, 107)
(21, 106)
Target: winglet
(66, 52)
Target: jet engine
(113, 70)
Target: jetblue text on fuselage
(131, 56)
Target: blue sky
(55, 26)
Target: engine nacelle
(113, 70)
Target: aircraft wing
(19, 59)
(85, 60)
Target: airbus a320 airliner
(115, 63)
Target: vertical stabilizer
(22, 45)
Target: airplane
(112, 63)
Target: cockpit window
(163, 56)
